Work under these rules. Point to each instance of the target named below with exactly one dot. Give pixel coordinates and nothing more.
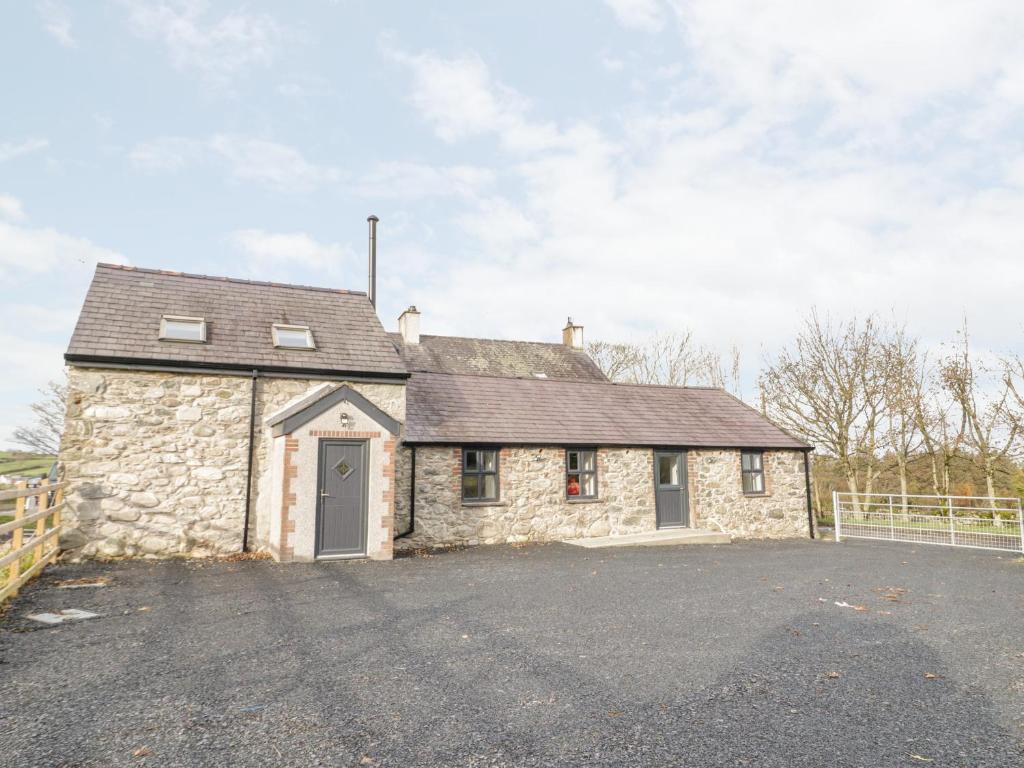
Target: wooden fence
(29, 554)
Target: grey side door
(341, 494)
(671, 492)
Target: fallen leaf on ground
(614, 713)
(922, 758)
(87, 581)
(142, 752)
(932, 676)
(844, 604)
(832, 675)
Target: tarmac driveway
(764, 654)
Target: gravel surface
(540, 655)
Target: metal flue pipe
(372, 289)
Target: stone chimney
(409, 326)
(572, 335)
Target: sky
(640, 165)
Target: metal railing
(33, 534)
(978, 522)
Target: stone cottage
(212, 415)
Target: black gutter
(252, 451)
(235, 368)
(562, 443)
(412, 497)
(807, 484)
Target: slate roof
(120, 322)
(445, 408)
(495, 357)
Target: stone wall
(533, 505)
(156, 462)
(156, 466)
(717, 500)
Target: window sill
(495, 503)
(762, 495)
(583, 500)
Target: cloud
(415, 181)
(271, 164)
(56, 19)
(10, 208)
(45, 273)
(9, 150)
(459, 99)
(168, 153)
(218, 47)
(778, 171)
(245, 159)
(26, 250)
(646, 15)
(781, 56)
(612, 63)
(277, 255)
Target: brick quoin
(285, 548)
(387, 520)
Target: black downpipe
(412, 496)
(252, 451)
(807, 484)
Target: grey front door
(671, 496)
(341, 491)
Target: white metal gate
(979, 522)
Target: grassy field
(939, 523)
(23, 463)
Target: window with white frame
(293, 336)
(181, 328)
(752, 467)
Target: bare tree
(942, 426)
(828, 389)
(666, 358)
(901, 368)
(44, 435)
(614, 359)
(1013, 376)
(986, 402)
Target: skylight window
(177, 328)
(293, 337)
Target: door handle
(324, 495)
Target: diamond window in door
(344, 469)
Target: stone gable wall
(156, 462)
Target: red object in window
(574, 486)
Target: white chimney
(409, 326)
(572, 335)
